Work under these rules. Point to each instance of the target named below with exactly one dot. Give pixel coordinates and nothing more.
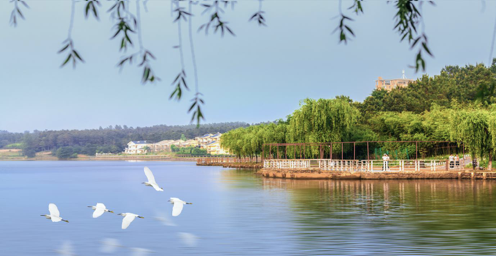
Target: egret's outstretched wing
(177, 209)
(156, 187)
(149, 175)
(98, 212)
(127, 221)
(54, 211)
(56, 219)
(100, 205)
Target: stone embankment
(230, 162)
(319, 174)
(234, 165)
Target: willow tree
(249, 141)
(322, 120)
(476, 128)
(232, 141)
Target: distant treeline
(112, 139)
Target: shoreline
(342, 175)
(235, 165)
(151, 158)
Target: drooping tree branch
(69, 43)
(180, 80)
(91, 7)
(17, 11)
(258, 16)
(216, 22)
(407, 19)
(197, 100)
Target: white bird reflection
(110, 245)
(164, 219)
(66, 249)
(140, 251)
(188, 239)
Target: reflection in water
(66, 249)
(238, 213)
(393, 216)
(110, 245)
(188, 239)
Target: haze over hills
(112, 139)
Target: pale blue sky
(259, 75)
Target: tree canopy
(440, 108)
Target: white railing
(365, 165)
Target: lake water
(235, 212)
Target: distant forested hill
(111, 139)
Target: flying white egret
(54, 214)
(128, 218)
(178, 206)
(151, 180)
(99, 209)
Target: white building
(211, 142)
(137, 147)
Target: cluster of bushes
(188, 150)
(90, 150)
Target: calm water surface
(235, 212)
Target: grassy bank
(16, 155)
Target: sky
(259, 75)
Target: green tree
(174, 148)
(183, 138)
(322, 121)
(29, 145)
(476, 128)
(146, 149)
(65, 153)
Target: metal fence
(211, 160)
(367, 165)
(369, 150)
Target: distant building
(211, 142)
(137, 147)
(204, 140)
(389, 84)
(214, 148)
(163, 146)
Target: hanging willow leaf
(17, 11)
(179, 82)
(72, 53)
(407, 19)
(344, 29)
(91, 7)
(197, 102)
(258, 16)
